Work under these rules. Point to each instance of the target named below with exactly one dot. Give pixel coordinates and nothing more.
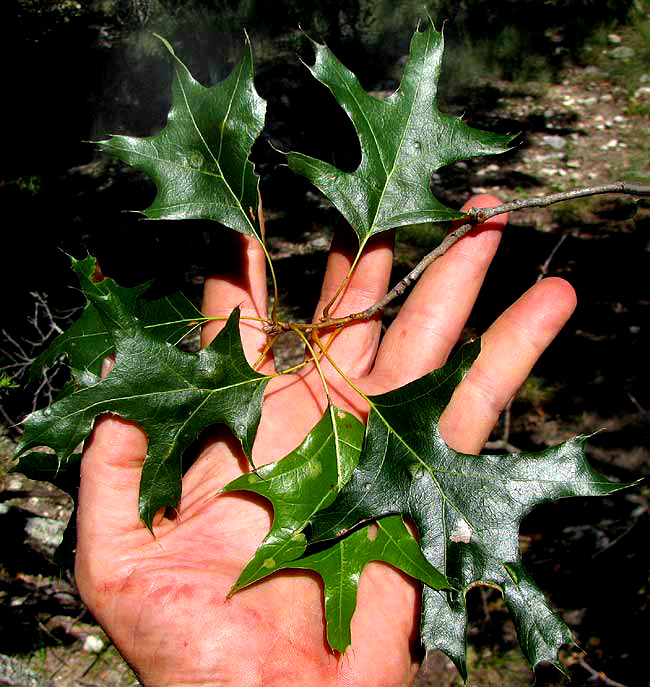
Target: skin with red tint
(163, 599)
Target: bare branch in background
(20, 350)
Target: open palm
(163, 599)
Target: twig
(474, 216)
(20, 352)
(544, 268)
(11, 422)
(62, 664)
(504, 442)
(411, 277)
(597, 675)
(478, 216)
(638, 406)
(98, 656)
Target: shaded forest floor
(590, 556)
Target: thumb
(108, 500)
(110, 480)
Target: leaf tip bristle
(165, 42)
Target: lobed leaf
(303, 482)
(467, 508)
(87, 341)
(171, 394)
(403, 139)
(199, 161)
(340, 566)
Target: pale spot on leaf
(195, 160)
(314, 468)
(462, 532)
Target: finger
(110, 484)
(396, 620)
(109, 492)
(509, 349)
(432, 318)
(238, 280)
(354, 348)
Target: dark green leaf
(199, 161)
(87, 342)
(467, 508)
(403, 138)
(300, 484)
(340, 565)
(171, 394)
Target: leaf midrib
(207, 147)
(405, 128)
(150, 394)
(429, 469)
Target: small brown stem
(544, 268)
(310, 348)
(330, 340)
(269, 345)
(326, 310)
(504, 442)
(411, 277)
(294, 368)
(323, 347)
(597, 675)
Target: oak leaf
(467, 508)
(199, 161)
(173, 395)
(404, 139)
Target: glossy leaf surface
(87, 341)
(467, 508)
(404, 140)
(340, 566)
(299, 485)
(171, 394)
(199, 161)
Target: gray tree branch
(479, 215)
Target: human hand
(163, 599)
